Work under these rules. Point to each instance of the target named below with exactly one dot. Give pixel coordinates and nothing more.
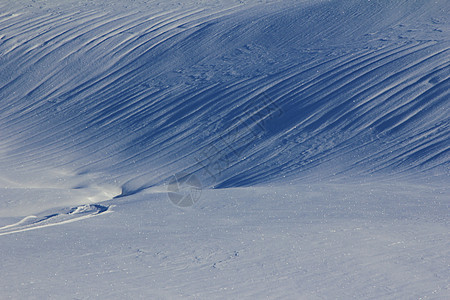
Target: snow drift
(109, 102)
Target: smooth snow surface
(225, 149)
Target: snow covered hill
(308, 125)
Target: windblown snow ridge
(237, 95)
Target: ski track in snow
(58, 218)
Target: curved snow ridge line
(436, 101)
(73, 215)
(34, 37)
(33, 108)
(15, 225)
(149, 154)
(91, 31)
(30, 110)
(24, 113)
(77, 31)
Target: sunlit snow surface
(225, 149)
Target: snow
(296, 242)
(224, 149)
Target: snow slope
(318, 131)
